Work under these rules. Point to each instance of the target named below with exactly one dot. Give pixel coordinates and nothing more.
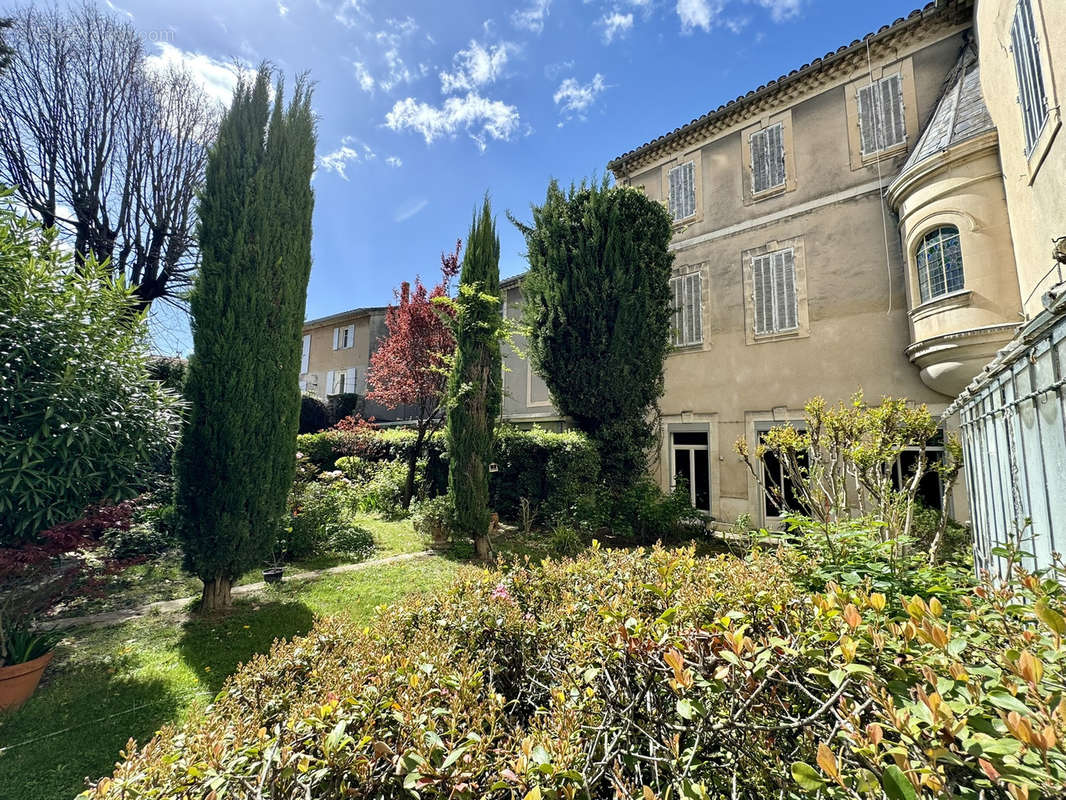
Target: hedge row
(556, 472)
(639, 675)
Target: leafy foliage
(321, 522)
(643, 674)
(248, 309)
(80, 420)
(599, 311)
(474, 387)
(410, 367)
(314, 416)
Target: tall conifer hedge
(236, 460)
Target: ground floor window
(929, 492)
(780, 496)
(690, 457)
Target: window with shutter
(882, 124)
(682, 191)
(767, 158)
(774, 292)
(1032, 97)
(688, 309)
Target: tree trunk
(216, 596)
(412, 466)
(483, 548)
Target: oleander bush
(640, 674)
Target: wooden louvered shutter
(893, 124)
(784, 291)
(675, 288)
(760, 163)
(336, 338)
(305, 354)
(349, 380)
(330, 377)
(868, 119)
(762, 294)
(695, 282)
(775, 154)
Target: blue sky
(426, 105)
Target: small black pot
(272, 575)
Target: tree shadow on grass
(76, 726)
(215, 646)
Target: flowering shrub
(642, 674)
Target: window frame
(761, 428)
(678, 284)
(775, 329)
(691, 164)
(691, 449)
(922, 266)
(1029, 75)
(782, 158)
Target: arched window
(939, 263)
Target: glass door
(691, 467)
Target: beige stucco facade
(1034, 179)
(338, 347)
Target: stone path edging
(106, 618)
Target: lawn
(109, 684)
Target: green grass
(107, 685)
(162, 578)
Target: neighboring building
(336, 358)
(526, 401)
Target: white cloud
(532, 18)
(575, 98)
(616, 25)
(476, 66)
(481, 118)
(351, 13)
(366, 80)
(282, 9)
(698, 13)
(394, 161)
(218, 78)
(406, 212)
(782, 10)
(350, 152)
(119, 9)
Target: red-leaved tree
(410, 367)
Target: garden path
(179, 605)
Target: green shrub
(314, 416)
(433, 519)
(140, 539)
(169, 371)
(957, 540)
(557, 472)
(343, 405)
(319, 513)
(644, 513)
(382, 491)
(351, 541)
(81, 422)
(565, 541)
(639, 674)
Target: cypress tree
(474, 387)
(599, 309)
(236, 461)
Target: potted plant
(272, 572)
(24, 653)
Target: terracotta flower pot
(19, 681)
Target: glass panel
(682, 469)
(690, 438)
(701, 480)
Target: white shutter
(867, 120)
(682, 190)
(336, 338)
(775, 154)
(349, 380)
(762, 294)
(696, 283)
(349, 336)
(893, 124)
(760, 175)
(784, 291)
(330, 374)
(305, 355)
(675, 289)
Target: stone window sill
(938, 305)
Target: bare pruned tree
(104, 148)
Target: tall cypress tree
(475, 384)
(599, 308)
(236, 461)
